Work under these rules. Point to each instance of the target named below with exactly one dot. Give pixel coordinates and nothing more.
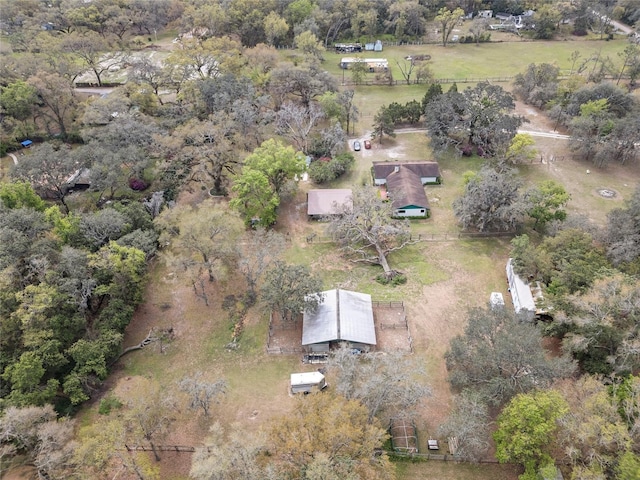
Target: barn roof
(342, 315)
(421, 168)
(405, 188)
(328, 201)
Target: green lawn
(488, 60)
(463, 62)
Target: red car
(367, 144)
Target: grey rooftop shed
(343, 316)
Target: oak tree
(500, 356)
(290, 290)
(328, 429)
(367, 232)
(526, 429)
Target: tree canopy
(499, 356)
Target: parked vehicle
(356, 146)
(367, 144)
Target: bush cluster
(484, 38)
(326, 169)
(399, 279)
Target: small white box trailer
(307, 382)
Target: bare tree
(350, 112)
(37, 433)
(202, 393)
(48, 169)
(230, 455)
(406, 68)
(296, 122)
(149, 417)
(261, 248)
(387, 384)
(477, 28)
(469, 423)
(367, 232)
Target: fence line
(429, 237)
(445, 457)
(160, 448)
(397, 304)
(284, 351)
(425, 456)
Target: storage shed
(330, 201)
(343, 316)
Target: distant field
(500, 59)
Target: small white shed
(307, 382)
(496, 300)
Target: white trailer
(307, 382)
(523, 301)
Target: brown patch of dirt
(19, 473)
(536, 119)
(392, 329)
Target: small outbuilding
(307, 382)
(496, 301)
(343, 316)
(322, 202)
(26, 143)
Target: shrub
(108, 403)
(322, 171)
(137, 184)
(398, 279)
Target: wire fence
(379, 304)
(429, 237)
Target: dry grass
(434, 470)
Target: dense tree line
(70, 286)
(601, 117)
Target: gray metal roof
(342, 315)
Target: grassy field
(488, 60)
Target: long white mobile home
(520, 293)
